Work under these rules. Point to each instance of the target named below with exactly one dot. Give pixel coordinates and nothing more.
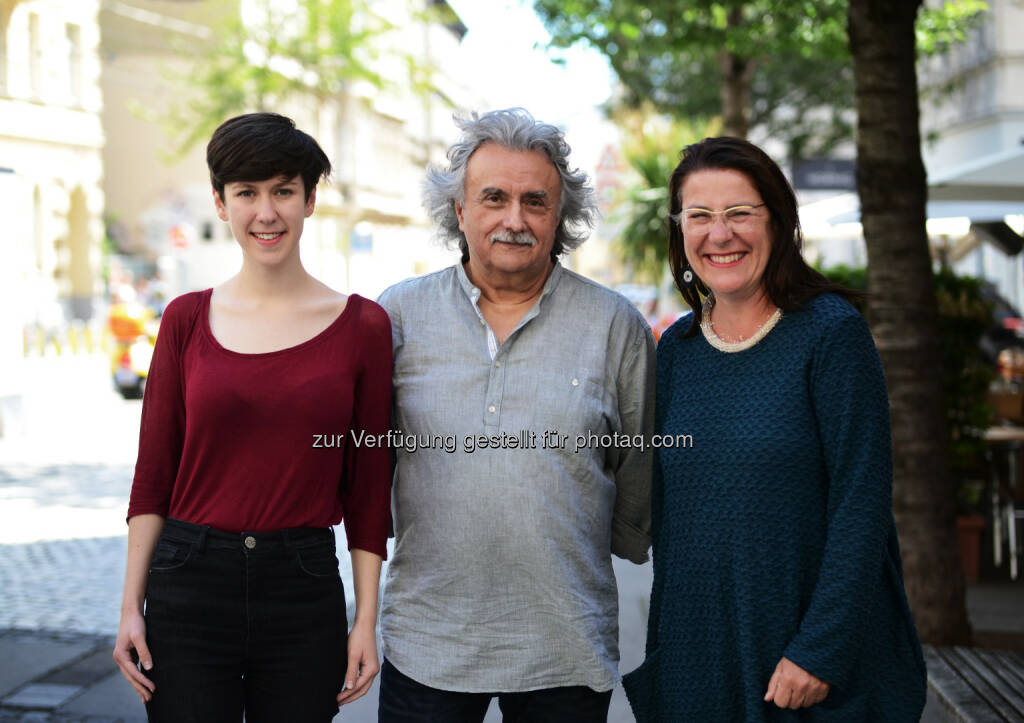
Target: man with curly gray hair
(523, 402)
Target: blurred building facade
(51, 168)
(972, 125)
(972, 131)
(368, 230)
(50, 141)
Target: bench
(974, 684)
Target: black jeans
(403, 700)
(252, 622)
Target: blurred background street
(63, 485)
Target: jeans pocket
(319, 561)
(170, 554)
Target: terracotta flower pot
(968, 532)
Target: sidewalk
(49, 677)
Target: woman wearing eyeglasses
(778, 592)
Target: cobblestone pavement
(66, 465)
(48, 581)
(71, 585)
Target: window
(74, 34)
(3, 49)
(35, 56)
(37, 228)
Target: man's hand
(793, 687)
(130, 647)
(363, 664)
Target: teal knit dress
(773, 532)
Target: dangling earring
(689, 278)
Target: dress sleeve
(631, 520)
(851, 408)
(162, 429)
(366, 486)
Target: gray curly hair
(515, 129)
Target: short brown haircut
(260, 146)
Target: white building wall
(972, 106)
(378, 140)
(50, 170)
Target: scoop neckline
(733, 347)
(208, 330)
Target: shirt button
(575, 382)
(483, 323)
(250, 542)
(497, 365)
(491, 409)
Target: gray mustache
(523, 238)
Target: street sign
(825, 174)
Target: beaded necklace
(707, 327)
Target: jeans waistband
(205, 536)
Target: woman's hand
(793, 687)
(363, 664)
(129, 648)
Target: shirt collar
(473, 293)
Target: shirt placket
(496, 376)
(499, 355)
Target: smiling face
(266, 217)
(510, 213)
(729, 258)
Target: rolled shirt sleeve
(631, 523)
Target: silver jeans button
(250, 542)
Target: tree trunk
(902, 309)
(736, 75)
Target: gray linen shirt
(501, 579)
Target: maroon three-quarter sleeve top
(257, 442)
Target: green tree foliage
(651, 147)
(674, 60)
(783, 68)
(312, 48)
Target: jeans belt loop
(287, 540)
(201, 541)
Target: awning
(986, 189)
(977, 211)
(993, 177)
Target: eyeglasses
(702, 219)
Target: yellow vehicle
(133, 329)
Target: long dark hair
(788, 280)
